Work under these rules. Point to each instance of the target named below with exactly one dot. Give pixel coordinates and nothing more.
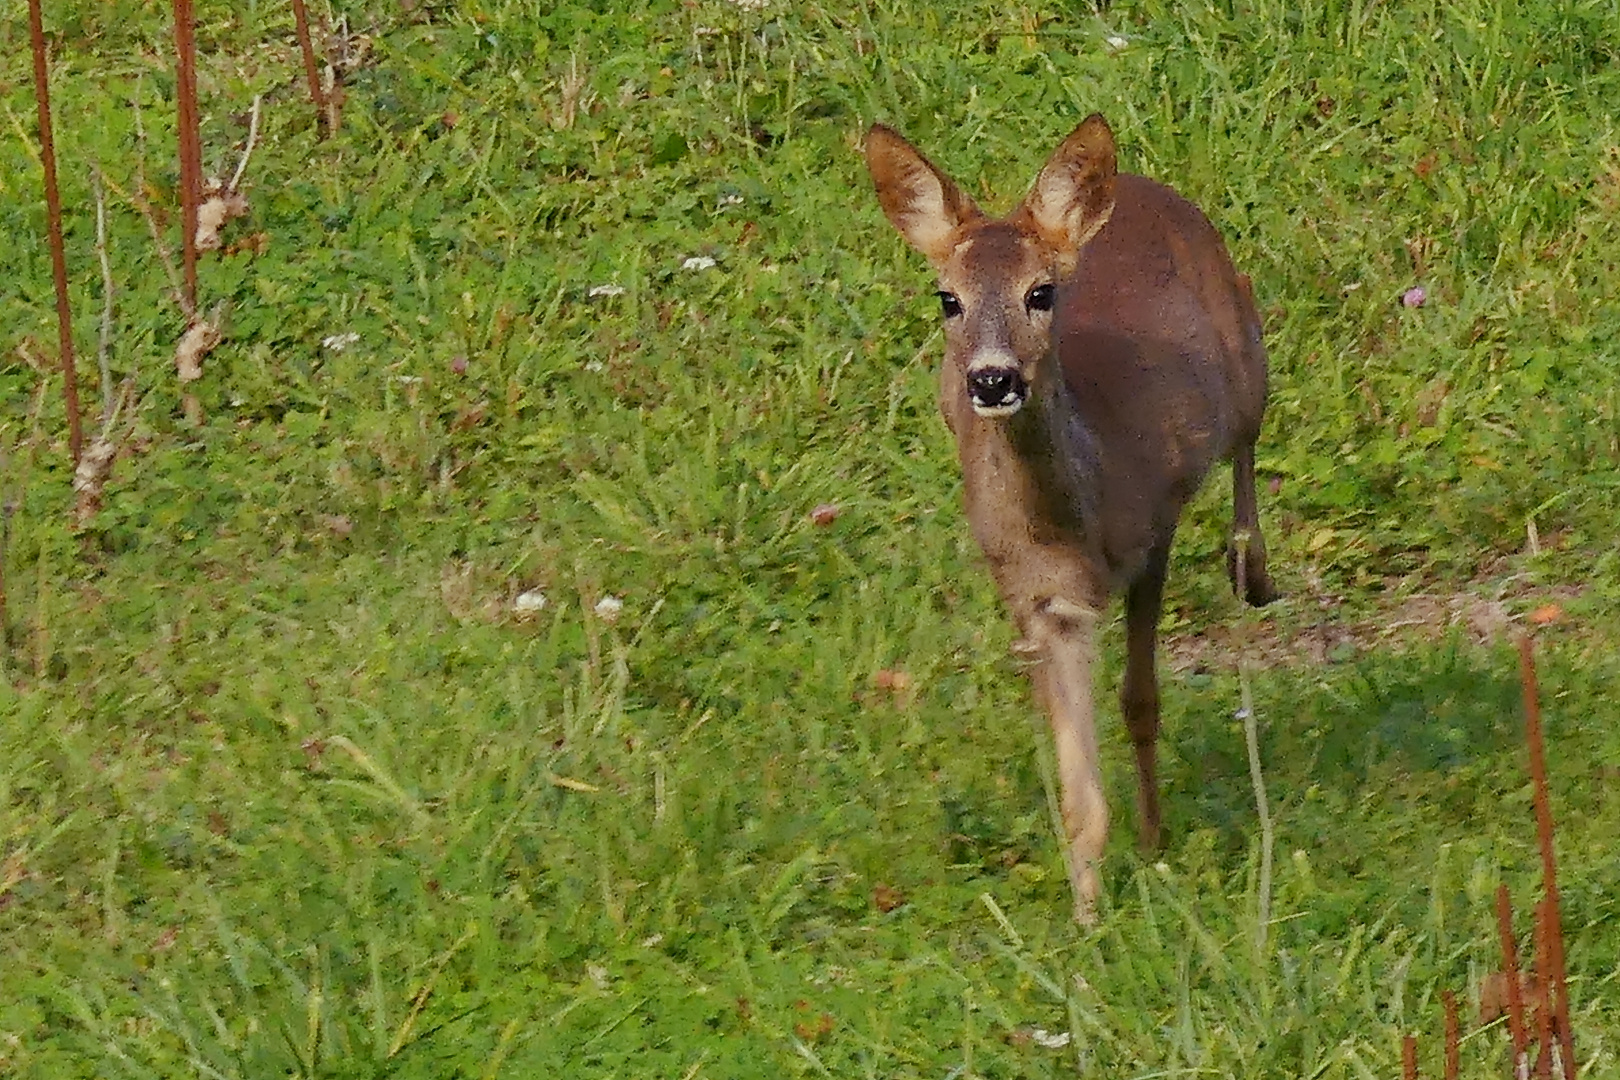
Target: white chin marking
(999, 412)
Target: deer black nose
(996, 390)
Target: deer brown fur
(1101, 354)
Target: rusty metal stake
(1556, 988)
(1544, 1014)
(53, 219)
(185, 48)
(311, 73)
(1510, 968)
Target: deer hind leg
(1139, 693)
(1065, 632)
(1253, 584)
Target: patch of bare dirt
(1319, 628)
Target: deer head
(998, 279)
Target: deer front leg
(1139, 693)
(1064, 632)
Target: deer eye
(1039, 298)
(952, 306)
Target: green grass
(290, 788)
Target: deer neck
(1038, 466)
(1050, 441)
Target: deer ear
(918, 199)
(1074, 195)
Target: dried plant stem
(1409, 1058)
(42, 607)
(1557, 991)
(137, 199)
(333, 96)
(312, 74)
(1251, 737)
(104, 342)
(165, 255)
(7, 508)
(1517, 1030)
(252, 140)
(53, 213)
(185, 47)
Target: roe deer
(1101, 353)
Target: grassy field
(293, 784)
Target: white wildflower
(339, 342)
(1115, 42)
(1051, 1040)
(606, 290)
(608, 608)
(729, 199)
(698, 262)
(529, 602)
(595, 367)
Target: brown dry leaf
(252, 244)
(1493, 996)
(13, 869)
(34, 356)
(825, 514)
(886, 898)
(90, 479)
(897, 682)
(165, 941)
(470, 416)
(338, 524)
(1429, 401)
(220, 206)
(198, 341)
(1546, 614)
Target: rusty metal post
(185, 48)
(311, 73)
(1556, 989)
(53, 218)
(1510, 968)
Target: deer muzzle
(996, 391)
